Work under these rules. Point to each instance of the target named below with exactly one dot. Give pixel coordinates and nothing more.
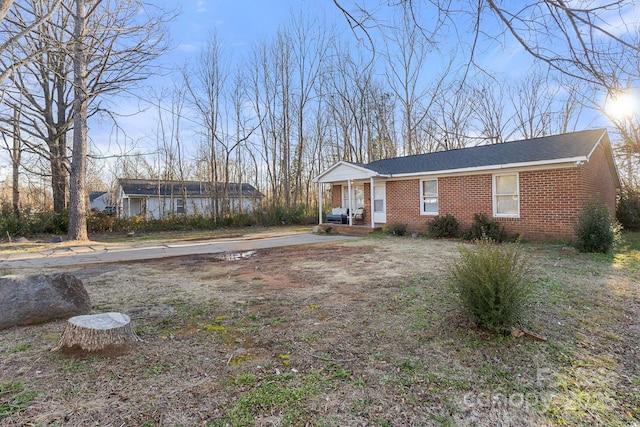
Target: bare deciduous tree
(19, 29)
(120, 41)
(595, 42)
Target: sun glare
(623, 105)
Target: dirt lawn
(357, 333)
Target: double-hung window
(506, 195)
(179, 206)
(357, 196)
(429, 197)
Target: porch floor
(350, 230)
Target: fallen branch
(517, 333)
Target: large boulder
(39, 298)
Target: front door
(380, 203)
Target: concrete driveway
(105, 253)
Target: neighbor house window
(429, 193)
(506, 195)
(179, 206)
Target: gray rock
(39, 298)
(56, 239)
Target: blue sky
(239, 23)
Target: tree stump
(98, 332)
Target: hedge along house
(534, 187)
(158, 199)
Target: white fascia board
(359, 172)
(612, 164)
(598, 142)
(539, 165)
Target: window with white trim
(357, 196)
(429, 197)
(179, 206)
(506, 195)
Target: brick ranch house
(534, 187)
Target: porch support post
(373, 224)
(350, 215)
(319, 203)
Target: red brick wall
(465, 196)
(367, 203)
(403, 204)
(595, 180)
(548, 204)
(336, 196)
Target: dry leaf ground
(358, 333)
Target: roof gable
(96, 194)
(343, 171)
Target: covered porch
(358, 197)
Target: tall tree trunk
(58, 173)
(15, 161)
(77, 199)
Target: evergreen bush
(444, 226)
(395, 229)
(596, 229)
(628, 208)
(493, 283)
(484, 228)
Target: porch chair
(358, 215)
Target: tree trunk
(97, 332)
(58, 175)
(15, 161)
(77, 199)
(4, 7)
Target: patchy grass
(354, 333)
(14, 398)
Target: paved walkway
(104, 253)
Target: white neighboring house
(98, 200)
(157, 199)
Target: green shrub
(596, 230)
(50, 222)
(484, 228)
(628, 208)
(395, 229)
(99, 222)
(443, 226)
(493, 283)
(12, 225)
(282, 215)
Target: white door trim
(380, 215)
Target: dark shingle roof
(549, 148)
(146, 187)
